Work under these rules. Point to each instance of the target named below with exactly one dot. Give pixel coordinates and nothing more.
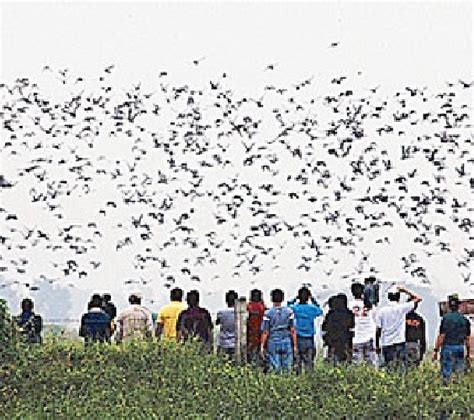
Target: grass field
(62, 379)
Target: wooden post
(241, 330)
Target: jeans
(395, 355)
(364, 352)
(306, 353)
(413, 354)
(452, 359)
(280, 355)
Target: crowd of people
(282, 337)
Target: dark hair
(304, 294)
(357, 289)
(394, 297)
(192, 298)
(176, 294)
(370, 279)
(96, 302)
(230, 297)
(106, 297)
(341, 301)
(453, 302)
(255, 295)
(134, 300)
(332, 302)
(27, 305)
(277, 295)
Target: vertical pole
(240, 330)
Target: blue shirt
(305, 315)
(278, 321)
(95, 326)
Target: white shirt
(364, 322)
(391, 319)
(134, 322)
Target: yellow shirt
(168, 316)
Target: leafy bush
(62, 379)
(7, 332)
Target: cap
(138, 295)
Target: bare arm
(438, 344)
(413, 296)
(378, 334)
(263, 345)
(294, 339)
(159, 330)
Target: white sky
(390, 43)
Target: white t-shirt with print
(364, 322)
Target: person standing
(454, 340)
(279, 334)
(168, 316)
(135, 321)
(390, 337)
(363, 343)
(30, 325)
(305, 314)
(338, 328)
(195, 322)
(256, 310)
(108, 307)
(415, 334)
(95, 324)
(226, 321)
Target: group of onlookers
(283, 336)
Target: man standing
(391, 325)
(134, 322)
(363, 343)
(305, 314)
(454, 336)
(279, 332)
(226, 321)
(415, 338)
(195, 322)
(30, 324)
(168, 316)
(95, 324)
(338, 326)
(256, 309)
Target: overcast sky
(379, 43)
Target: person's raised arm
(413, 296)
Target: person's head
(176, 294)
(192, 298)
(340, 301)
(393, 294)
(370, 280)
(106, 297)
(304, 294)
(27, 305)
(453, 302)
(277, 296)
(135, 299)
(230, 297)
(96, 302)
(255, 295)
(357, 290)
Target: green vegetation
(62, 379)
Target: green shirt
(455, 328)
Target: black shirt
(416, 330)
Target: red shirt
(256, 311)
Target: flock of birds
(177, 180)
